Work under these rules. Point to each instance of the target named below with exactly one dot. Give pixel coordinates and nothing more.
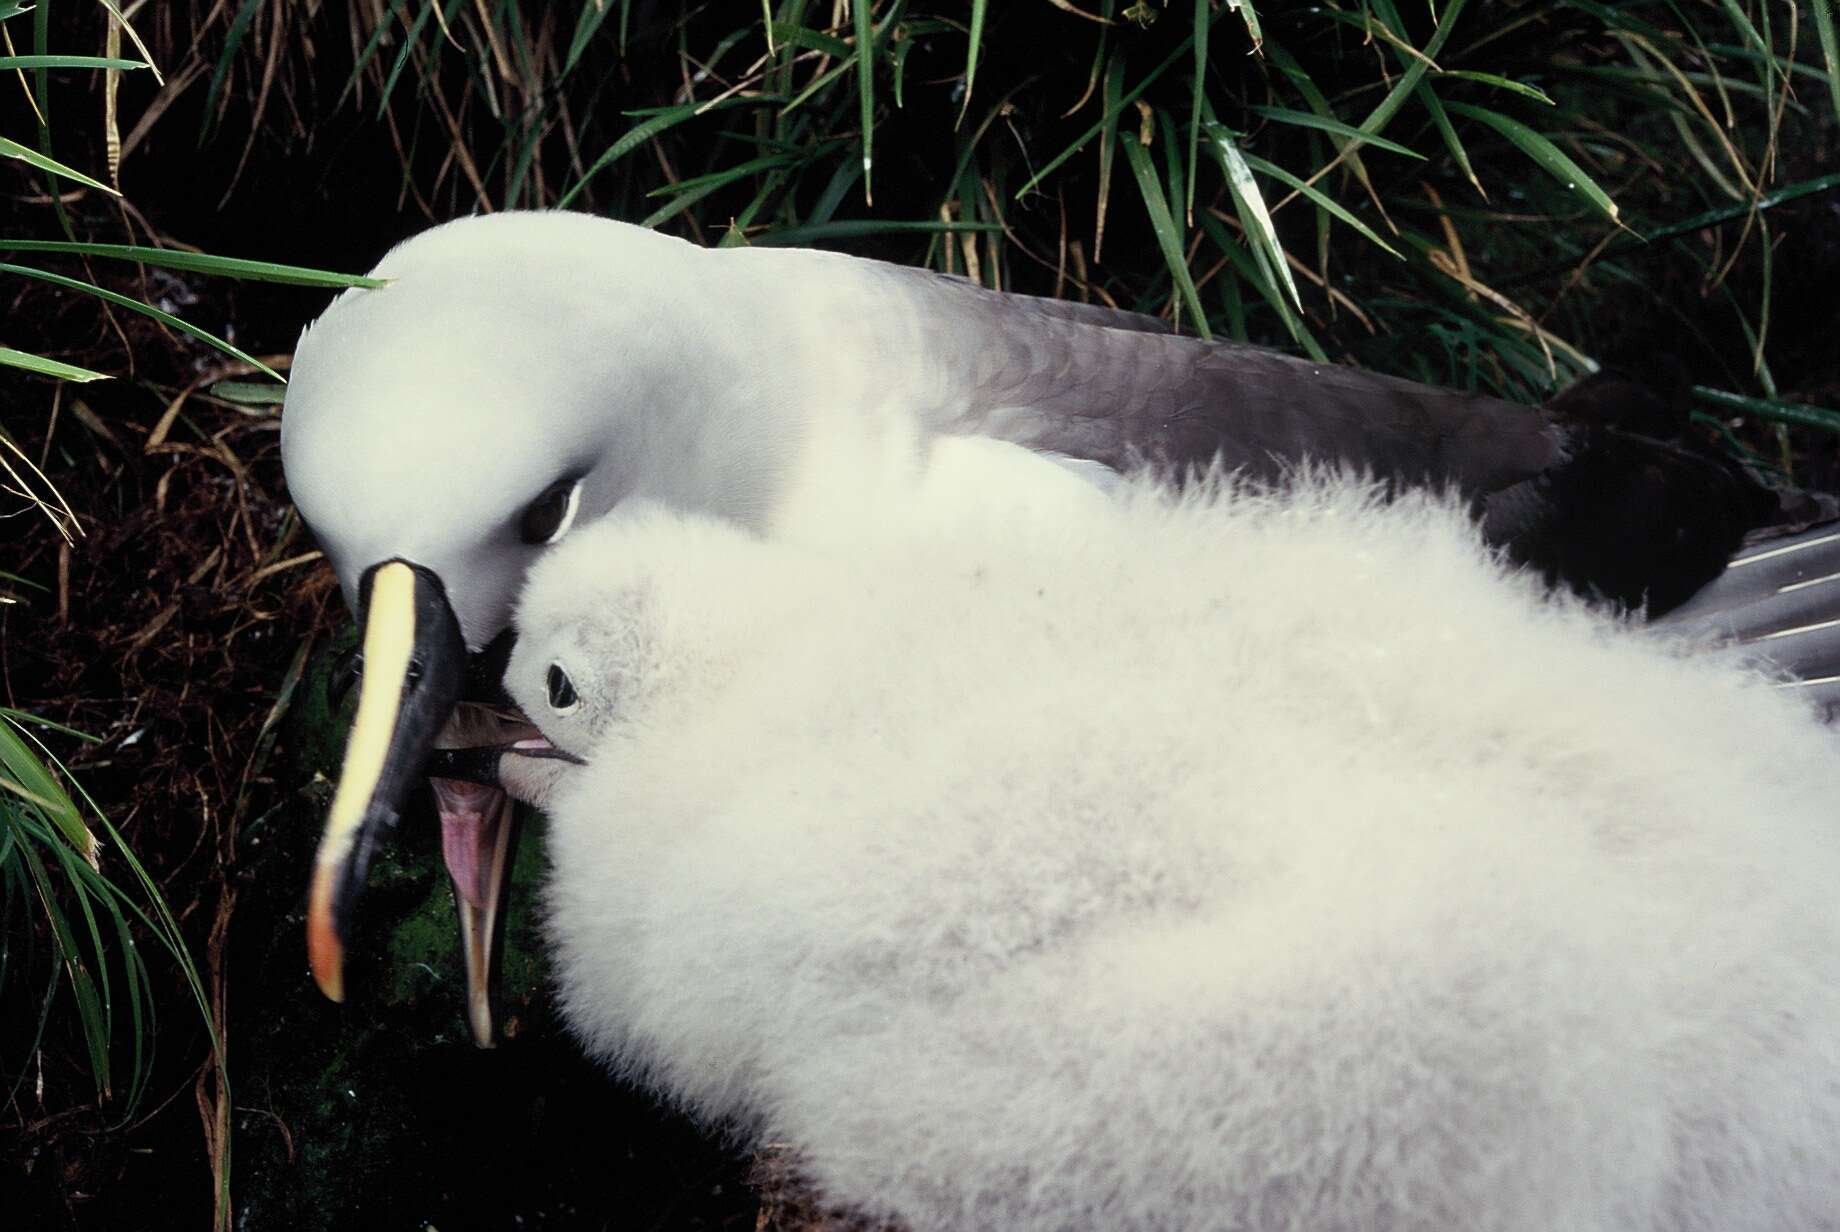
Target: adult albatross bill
(524, 373)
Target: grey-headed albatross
(524, 373)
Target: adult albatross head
(518, 376)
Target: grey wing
(1777, 606)
(1617, 516)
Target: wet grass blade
(249, 393)
(1197, 95)
(1434, 107)
(974, 41)
(653, 124)
(8, 63)
(1108, 146)
(1416, 67)
(233, 40)
(865, 93)
(1305, 119)
(48, 367)
(1319, 198)
(1163, 224)
(1549, 157)
(90, 1013)
(198, 263)
(1251, 265)
(1251, 205)
(27, 778)
(1774, 409)
(727, 175)
(46, 163)
(1250, 16)
(412, 42)
(593, 13)
(1498, 82)
(1830, 48)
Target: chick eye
(562, 697)
(547, 518)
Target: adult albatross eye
(562, 697)
(548, 518)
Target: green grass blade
(1198, 91)
(8, 63)
(1500, 83)
(27, 778)
(1441, 121)
(41, 86)
(371, 46)
(233, 40)
(1319, 198)
(727, 175)
(842, 180)
(1318, 103)
(90, 1014)
(865, 93)
(1168, 237)
(411, 41)
(1830, 48)
(135, 305)
(1549, 157)
(1252, 266)
(1774, 409)
(1251, 204)
(1384, 111)
(1109, 93)
(198, 263)
(974, 40)
(655, 123)
(1250, 16)
(46, 163)
(39, 720)
(1305, 119)
(593, 13)
(1744, 27)
(812, 40)
(48, 367)
(249, 393)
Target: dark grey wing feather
(1777, 607)
(1613, 514)
(1772, 570)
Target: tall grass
(79, 913)
(76, 911)
(1442, 190)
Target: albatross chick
(1217, 861)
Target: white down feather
(1218, 862)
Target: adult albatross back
(522, 373)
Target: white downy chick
(1227, 861)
